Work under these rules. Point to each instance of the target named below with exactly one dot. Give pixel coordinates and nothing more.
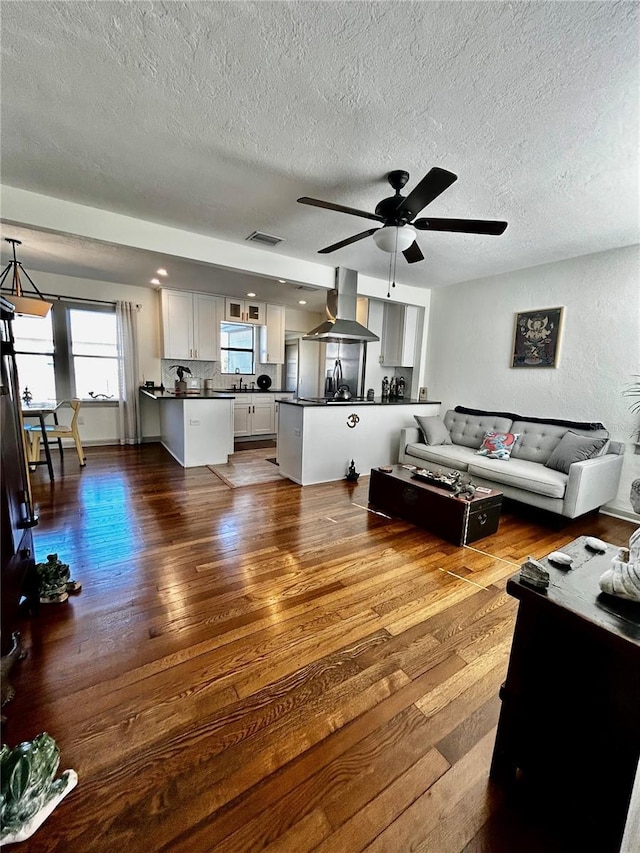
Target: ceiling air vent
(265, 239)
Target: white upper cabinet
(399, 335)
(272, 336)
(244, 311)
(207, 314)
(191, 325)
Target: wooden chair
(57, 431)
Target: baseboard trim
(622, 514)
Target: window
(94, 352)
(236, 348)
(34, 355)
(70, 353)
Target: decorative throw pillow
(433, 430)
(574, 448)
(498, 445)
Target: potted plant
(634, 391)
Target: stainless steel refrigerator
(344, 365)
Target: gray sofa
(525, 476)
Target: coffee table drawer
(483, 519)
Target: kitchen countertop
(157, 394)
(378, 401)
(252, 391)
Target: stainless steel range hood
(341, 327)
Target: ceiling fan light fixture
(392, 238)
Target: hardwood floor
(270, 667)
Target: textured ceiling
(216, 116)
(68, 254)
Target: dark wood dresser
(569, 728)
(17, 568)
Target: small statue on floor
(15, 654)
(55, 581)
(352, 474)
(30, 791)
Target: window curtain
(128, 407)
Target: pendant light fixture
(34, 306)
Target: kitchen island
(196, 428)
(317, 440)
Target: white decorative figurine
(623, 578)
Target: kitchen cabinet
(399, 335)
(272, 336)
(244, 311)
(254, 414)
(191, 325)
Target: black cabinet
(16, 548)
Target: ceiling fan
(397, 215)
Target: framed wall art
(536, 339)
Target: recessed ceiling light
(251, 295)
(302, 301)
(282, 280)
(162, 272)
(155, 281)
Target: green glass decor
(54, 579)
(29, 791)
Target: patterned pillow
(498, 445)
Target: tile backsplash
(211, 370)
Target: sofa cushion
(433, 430)
(538, 441)
(529, 476)
(498, 445)
(447, 455)
(574, 448)
(469, 430)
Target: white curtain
(128, 407)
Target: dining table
(40, 411)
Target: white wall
(471, 335)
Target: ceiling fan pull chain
(395, 260)
(389, 284)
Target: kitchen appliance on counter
(264, 382)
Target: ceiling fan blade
(436, 181)
(347, 242)
(413, 254)
(329, 205)
(465, 226)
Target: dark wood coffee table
(435, 509)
